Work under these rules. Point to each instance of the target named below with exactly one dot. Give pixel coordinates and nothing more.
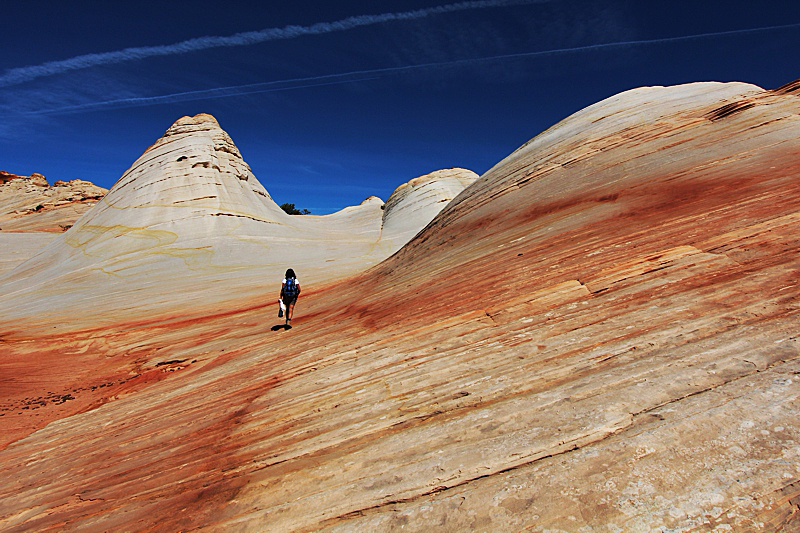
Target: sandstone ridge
(599, 334)
(32, 213)
(191, 212)
(421, 199)
(56, 207)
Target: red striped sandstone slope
(600, 334)
(185, 234)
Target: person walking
(290, 291)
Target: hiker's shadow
(279, 327)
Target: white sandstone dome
(414, 204)
(189, 215)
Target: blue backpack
(290, 288)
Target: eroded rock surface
(414, 204)
(55, 207)
(189, 215)
(600, 334)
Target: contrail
(364, 75)
(19, 75)
(218, 92)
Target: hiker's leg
(289, 312)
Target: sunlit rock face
(55, 207)
(189, 216)
(414, 204)
(187, 213)
(192, 185)
(599, 334)
(32, 213)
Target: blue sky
(331, 102)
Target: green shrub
(290, 209)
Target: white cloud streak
(20, 75)
(364, 75)
(218, 92)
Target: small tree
(290, 209)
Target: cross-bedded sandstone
(599, 334)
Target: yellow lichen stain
(106, 272)
(195, 258)
(124, 248)
(99, 241)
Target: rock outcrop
(190, 214)
(599, 334)
(414, 204)
(55, 208)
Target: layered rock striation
(32, 213)
(55, 207)
(190, 214)
(414, 204)
(599, 334)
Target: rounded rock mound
(190, 214)
(414, 204)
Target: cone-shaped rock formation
(188, 214)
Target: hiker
(290, 290)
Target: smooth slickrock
(598, 335)
(32, 213)
(420, 200)
(19, 247)
(186, 231)
(189, 216)
(55, 208)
